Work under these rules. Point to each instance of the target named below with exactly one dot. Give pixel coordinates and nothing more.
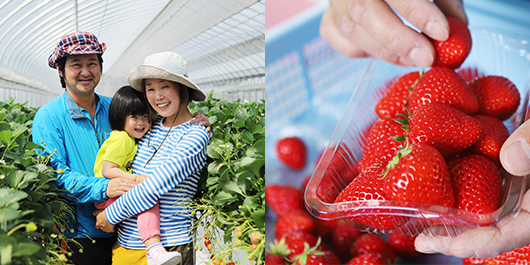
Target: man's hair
(126, 101)
(62, 62)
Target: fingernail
(517, 157)
(425, 245)
(421, 57)
(436, 31)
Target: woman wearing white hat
(172, 154)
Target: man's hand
(101, 221)
(118, 186)
(202, 121)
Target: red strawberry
(469, 73)
(295, 243)
(516, 256)
(397, 95)
(292, 152)
(366, 189)
(340, 169)
(367, 259)
(404, 246)
(370, 243)
(419, 175)
(342, 239)
(312, 256)
(295, 220)
(453, 51)
(497, 96)
(283, 199)
(477, 184)
(208, 244)
(447, 129)
(472, 261)
(441, 84)
(271, 259)
(324, 228)
(380, 147)
(494, 133)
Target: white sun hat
(168, 66)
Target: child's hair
(126, 101)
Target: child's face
(137, 126)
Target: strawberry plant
(230, 201)
(31, 210)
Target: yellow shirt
(120, 149)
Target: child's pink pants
(148, 220)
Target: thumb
(515, 152)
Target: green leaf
(232, 187)
(26, 249)
(6, 248)
(247, 136)
(8, 196)
(259, 146)
(19, 179)
(212, 167)
(223, 197)
(5, 136)
(251, 202)
(8, 214)
(241, 113)
(212, 119)
(259, 218)
(19, 130)
(210, 150)
(211, 181)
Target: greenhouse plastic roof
(223, 41)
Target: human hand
(140, 178)
(359, 28)
(119, 186)
(202, 120)
(508, 233)
(101, 221)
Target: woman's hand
(101, 221)
(202, 121)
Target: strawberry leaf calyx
(403, 151)
(308, 250)
(279, 248)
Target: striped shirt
(174, 174)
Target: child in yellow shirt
(130, 120)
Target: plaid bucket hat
(76, 43)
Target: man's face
(82, 73)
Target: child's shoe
(163, 257)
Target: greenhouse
(222, 41)
(93, 105)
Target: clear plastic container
(493, 53)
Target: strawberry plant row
(230, 203)
(30, 204)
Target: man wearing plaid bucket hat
(72, 128)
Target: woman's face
(163, 96)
